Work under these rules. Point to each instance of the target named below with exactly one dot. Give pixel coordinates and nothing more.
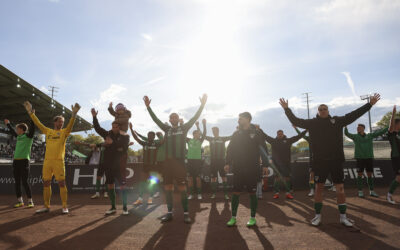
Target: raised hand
(6, 121)
(180, 122)
(374, 99)
(204, 121)
(75, 108)
(131, 143)
(110, 105)
(130, 125)
(197, 123)
(257, 126)
(28, 106)
(94, 112)
(146, 100)
(284, 103)
(203, 99)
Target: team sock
(277, 186)
(214, 187)
(312, 184)
(184, 201)
(370, 181)
(124, 198)
(288, 186)
(142, 187)
(318, 207)
(64, 196)
(98, 185)
(342, 208)
(359, 182)
(47, 196)
(393, 186)
(198, 190)
(253, 204)
(191, 190)
(225, 186)
(235, 204)
(111, 194)
(169, 199)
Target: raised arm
(379, 132)
(28, 107)
(392, 120)
(71, 122)
(297, 137)
(111, 109)
(299, 132)
(352, 116)
(153, 116)
(135, 136)
(142, 137)
(101, 131)
(12, 131)
(196, 116)
(203, 136)
(31, 129)
(266, 137)
(302, 123)
(346, 132)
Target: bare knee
(339, 188)
(169, 187)
(47, 183)
(181, 188)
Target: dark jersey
(394, 139)
(175, 137)
(114, 152)
(243, 152)
(217, 146)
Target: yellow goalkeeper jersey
(55, 139)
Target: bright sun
(212, 62)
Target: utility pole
(307, 97)
(367, 97)
(53, 90)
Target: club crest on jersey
(58, 133)
(284, 141)
(252, 135)
(333, 121)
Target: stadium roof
(14, 91)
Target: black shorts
(194, 167)
(245, 179)
(174, 169)
(367, 164)
(147, 170)
(217, 166)
(114, 174)
(283, 168)
(396, 165)
(100, 170)
(323, 168)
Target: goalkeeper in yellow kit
(54, 158)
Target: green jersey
(394, 139)
(161, 149)
(194, 149)
(175, 137)
(363, 144)
(24, 142)
(217, 146)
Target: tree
(385, 121)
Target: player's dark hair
(361, 125)
(215, 128)
(22, 126)
(280, 130)
(151, 133)
(115, 122)
(246, 115)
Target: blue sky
(244, 54)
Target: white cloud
(112, 94)
(147, 37)
(350, 82)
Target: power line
(53, 90)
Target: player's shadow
(219, 236)
(174, 234)
(351, 237)
(99, 237)
(9, 227)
